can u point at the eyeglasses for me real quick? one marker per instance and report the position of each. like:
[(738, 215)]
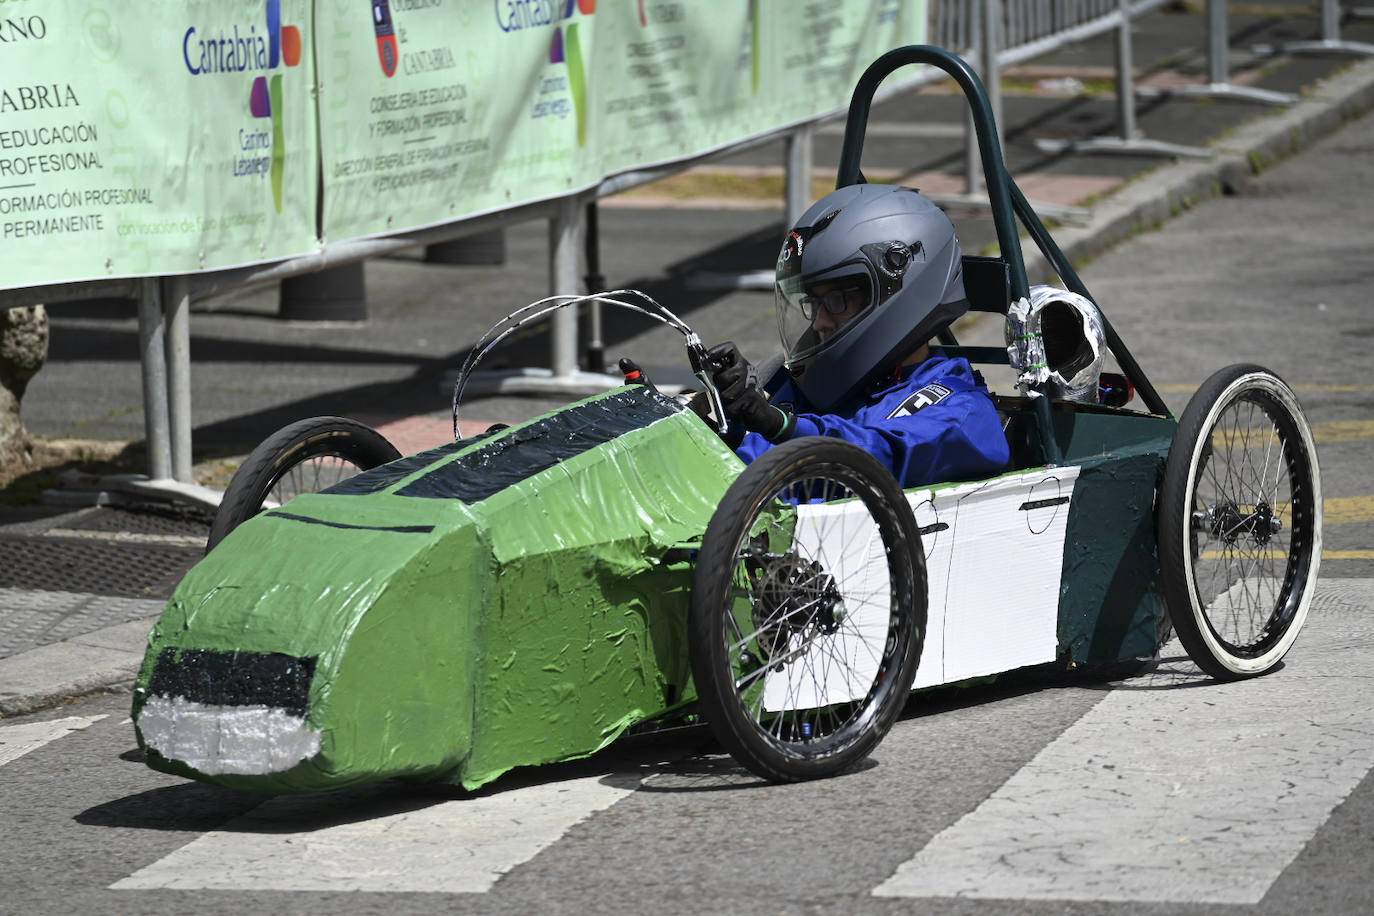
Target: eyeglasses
[(835, 302)]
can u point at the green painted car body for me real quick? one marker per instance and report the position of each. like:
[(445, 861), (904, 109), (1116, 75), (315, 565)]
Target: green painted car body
[(521, 598)]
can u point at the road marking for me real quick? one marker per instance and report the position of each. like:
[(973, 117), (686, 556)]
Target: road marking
[(1274, 555), (18, 740), (1322, 433), (1347, 510), (1201, 795), (458, 847), (1318, 389), (1343, 431), (126, 537), (1340, 510)]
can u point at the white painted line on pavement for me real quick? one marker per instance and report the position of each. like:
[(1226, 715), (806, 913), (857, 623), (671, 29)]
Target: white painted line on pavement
[(456, 847), (1195, 792), (18, 740), (126, 537)]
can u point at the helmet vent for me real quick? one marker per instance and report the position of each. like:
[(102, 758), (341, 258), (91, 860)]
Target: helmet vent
[(824, 222)]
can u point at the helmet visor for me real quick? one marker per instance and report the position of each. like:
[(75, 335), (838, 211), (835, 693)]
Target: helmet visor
[(815, 311)]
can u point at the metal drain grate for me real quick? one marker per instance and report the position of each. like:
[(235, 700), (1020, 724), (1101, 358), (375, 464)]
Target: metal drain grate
[(94, 566)]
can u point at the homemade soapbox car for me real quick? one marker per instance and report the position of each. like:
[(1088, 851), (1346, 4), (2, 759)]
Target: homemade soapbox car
[(529, 594)]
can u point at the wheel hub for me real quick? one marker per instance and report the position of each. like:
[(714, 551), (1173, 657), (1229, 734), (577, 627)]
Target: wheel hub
[(1228, 522), (791, 595)]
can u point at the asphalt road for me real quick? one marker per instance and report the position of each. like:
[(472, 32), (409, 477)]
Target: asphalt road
[(1164, 793)]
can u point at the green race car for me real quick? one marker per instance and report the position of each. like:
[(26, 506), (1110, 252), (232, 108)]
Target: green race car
[(527, 595)]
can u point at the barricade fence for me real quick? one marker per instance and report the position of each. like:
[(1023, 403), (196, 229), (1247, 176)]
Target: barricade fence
[(306, 138)]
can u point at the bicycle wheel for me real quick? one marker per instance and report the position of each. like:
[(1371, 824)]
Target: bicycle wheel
[(1240, 521), (305, 457), (808, 610)]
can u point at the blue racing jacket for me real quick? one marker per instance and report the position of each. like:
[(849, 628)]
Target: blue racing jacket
[(932, 423)]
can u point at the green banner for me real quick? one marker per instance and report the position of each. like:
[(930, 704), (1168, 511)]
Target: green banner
[(437, 109), (154, 139)]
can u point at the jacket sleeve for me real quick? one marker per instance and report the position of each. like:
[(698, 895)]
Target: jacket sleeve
[(960, 438)]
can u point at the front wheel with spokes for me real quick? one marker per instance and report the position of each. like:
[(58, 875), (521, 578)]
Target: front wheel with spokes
[(808, 610), (1240, 521)]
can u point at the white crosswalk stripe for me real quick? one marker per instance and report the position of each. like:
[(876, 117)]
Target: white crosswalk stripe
[(461, 846), (1195, 792), (18, 740)]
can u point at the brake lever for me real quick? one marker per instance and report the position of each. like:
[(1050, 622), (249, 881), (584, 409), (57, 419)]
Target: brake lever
[(702, 365)]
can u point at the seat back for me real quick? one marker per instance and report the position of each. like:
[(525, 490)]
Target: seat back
[(987, 284)]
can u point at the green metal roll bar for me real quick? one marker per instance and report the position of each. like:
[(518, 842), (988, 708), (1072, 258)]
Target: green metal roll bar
[(1004, 197)]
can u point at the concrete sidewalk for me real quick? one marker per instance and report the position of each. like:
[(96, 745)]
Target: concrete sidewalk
[(81, 584)]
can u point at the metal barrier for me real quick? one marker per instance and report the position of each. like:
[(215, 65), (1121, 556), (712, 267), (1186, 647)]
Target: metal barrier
[(995, 34), (1219, 85), (1129, 141), (992, 34), (1330, 42)]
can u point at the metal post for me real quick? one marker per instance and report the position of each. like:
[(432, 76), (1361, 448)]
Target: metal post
[(565, 235), (1330, 42), (992, 75), (987, 29), (1128, 142), (973, 163), (595, 283), (800, 146), (1219, 68), (176, 298), (563, 377), (151, 345), (1125, 75), (1218, 36)]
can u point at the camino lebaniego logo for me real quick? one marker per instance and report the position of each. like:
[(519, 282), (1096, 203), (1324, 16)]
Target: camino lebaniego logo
[(239, 50), (564, 48)]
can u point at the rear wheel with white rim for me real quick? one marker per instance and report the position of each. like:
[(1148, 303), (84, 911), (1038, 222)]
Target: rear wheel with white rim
[(1240, 521)]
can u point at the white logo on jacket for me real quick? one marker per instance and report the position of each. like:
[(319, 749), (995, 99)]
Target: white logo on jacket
[(927, 396)]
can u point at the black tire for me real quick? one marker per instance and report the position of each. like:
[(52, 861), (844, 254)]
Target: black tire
[(1240, 523), (305, 457), (768, 601)]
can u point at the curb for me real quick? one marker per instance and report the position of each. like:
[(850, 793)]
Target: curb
[(1250, 149), (97, 662)]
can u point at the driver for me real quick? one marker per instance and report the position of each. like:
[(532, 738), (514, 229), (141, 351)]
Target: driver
[(864, 280)]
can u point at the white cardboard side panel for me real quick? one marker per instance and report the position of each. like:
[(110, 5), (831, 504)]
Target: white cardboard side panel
[(994, 573), (840, 667), (994, 551)]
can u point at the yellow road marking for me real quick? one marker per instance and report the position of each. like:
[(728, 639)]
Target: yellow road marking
[(1344, 431), (1346, 510), (1261, 436), (1336, 389), (1270, 557), (1339, 510)]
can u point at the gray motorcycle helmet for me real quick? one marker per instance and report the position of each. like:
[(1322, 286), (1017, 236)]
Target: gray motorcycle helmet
[(894, 259)]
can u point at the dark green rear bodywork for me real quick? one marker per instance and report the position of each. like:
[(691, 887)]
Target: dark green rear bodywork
[(1110, 603)]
